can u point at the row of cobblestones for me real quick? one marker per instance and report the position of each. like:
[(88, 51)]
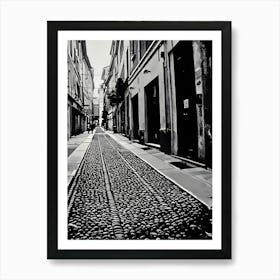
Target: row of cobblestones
[(90, 216), (138, 208)]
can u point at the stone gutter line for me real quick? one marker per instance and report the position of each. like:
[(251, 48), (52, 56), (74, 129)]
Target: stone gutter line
[(116, 223), (145, 184)]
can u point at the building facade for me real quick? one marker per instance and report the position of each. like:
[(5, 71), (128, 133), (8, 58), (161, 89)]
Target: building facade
[(80, 88), (160, 93)]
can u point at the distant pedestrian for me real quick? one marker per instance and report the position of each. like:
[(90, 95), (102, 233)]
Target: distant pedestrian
[(92, 127), (88, 127)]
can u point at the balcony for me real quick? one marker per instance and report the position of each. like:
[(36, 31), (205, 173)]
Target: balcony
[(114, 99), (121, 87), (116, 95)]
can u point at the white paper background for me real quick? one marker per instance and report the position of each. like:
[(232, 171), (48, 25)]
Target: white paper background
[(255, 140), (63, 242)]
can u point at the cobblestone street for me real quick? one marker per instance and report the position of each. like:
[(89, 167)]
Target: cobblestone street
[(116, 195)]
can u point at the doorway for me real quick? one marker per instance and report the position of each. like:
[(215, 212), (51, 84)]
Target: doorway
[(122, 118), (127, 125), (134, 101), (186, 100), (152, 112)]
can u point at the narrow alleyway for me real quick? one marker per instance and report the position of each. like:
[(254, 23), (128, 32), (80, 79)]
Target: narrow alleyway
[(116, 195)]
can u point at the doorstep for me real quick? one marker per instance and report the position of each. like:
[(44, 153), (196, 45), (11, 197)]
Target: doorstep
[(153, 145)]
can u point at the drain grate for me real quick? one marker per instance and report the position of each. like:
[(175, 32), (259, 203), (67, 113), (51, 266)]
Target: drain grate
[(146, 148), (181, 164)]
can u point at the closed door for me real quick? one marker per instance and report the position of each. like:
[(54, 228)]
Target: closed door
[(135, 116), (186, 100), (152, 109)]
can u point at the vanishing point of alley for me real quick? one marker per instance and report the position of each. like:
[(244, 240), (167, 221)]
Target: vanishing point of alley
[(119, 189)]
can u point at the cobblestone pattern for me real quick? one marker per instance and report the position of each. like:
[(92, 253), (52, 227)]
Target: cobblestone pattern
[(138, 208), (118, 230), (186, 212), (90, 217), (138, 198)]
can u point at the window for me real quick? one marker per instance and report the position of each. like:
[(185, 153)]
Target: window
[(148, 43), (78, 91), (121, 50), (77, 46), (133, 49), (144, 45), (70, 46), (127, 64), (122, 73), (133, 54)]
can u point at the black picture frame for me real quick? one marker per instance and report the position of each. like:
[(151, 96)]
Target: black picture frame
[(52, 139)]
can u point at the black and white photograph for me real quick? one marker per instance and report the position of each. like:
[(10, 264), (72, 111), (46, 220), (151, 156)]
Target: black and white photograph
[(141, 168), (139, 159)]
